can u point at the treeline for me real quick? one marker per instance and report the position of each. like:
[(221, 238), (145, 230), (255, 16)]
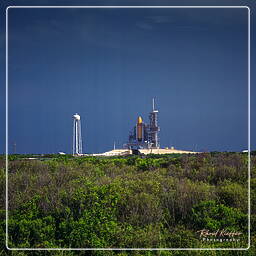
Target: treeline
[(128, 202)]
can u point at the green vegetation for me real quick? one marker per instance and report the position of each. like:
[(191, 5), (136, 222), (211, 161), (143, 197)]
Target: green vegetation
[(127, 202)]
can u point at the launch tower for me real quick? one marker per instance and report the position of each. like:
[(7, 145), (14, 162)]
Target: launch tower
[(153, 127)]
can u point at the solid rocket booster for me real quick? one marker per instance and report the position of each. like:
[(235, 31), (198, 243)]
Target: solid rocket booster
[(139, 129)]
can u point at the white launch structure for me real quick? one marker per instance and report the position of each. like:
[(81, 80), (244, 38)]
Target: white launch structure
[(77, 136)]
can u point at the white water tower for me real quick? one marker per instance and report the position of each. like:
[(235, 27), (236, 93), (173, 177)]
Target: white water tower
[(77, 136)]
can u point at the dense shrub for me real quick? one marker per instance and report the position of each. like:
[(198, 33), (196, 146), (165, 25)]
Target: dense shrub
[(136, 201), (214, 216)]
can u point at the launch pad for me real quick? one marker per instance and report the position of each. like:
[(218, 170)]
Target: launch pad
[(143, 139), (158, 151), (145, 136)]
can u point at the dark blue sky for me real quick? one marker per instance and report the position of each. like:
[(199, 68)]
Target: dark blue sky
[(107, 64)]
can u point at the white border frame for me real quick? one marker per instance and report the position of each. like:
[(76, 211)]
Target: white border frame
[(131, 249)]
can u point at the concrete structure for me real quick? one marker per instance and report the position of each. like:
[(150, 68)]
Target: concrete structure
[(115, 152), (161, 151), (145, 151)]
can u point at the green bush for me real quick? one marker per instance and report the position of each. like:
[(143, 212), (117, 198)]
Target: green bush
[(133, 201), (214, 216)]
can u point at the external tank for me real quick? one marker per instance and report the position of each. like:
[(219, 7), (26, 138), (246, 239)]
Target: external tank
[(139, 129)]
